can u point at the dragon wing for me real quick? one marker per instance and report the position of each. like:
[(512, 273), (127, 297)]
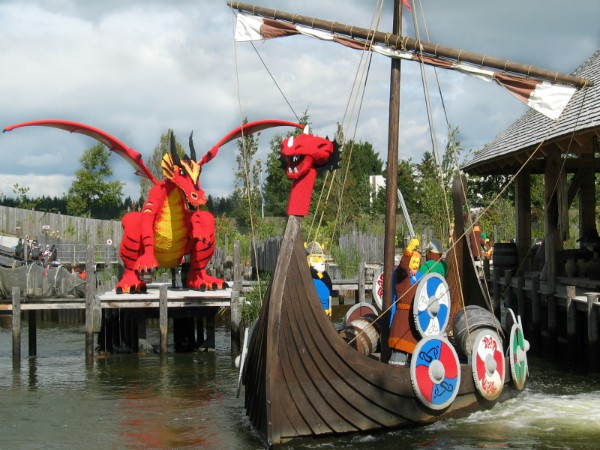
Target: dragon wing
[(134, 158), (247, 128)]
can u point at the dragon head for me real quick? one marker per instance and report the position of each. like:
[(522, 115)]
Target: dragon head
[(302, 157), (185, 174)]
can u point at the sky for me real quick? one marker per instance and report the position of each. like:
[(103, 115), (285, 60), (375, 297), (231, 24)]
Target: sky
[(137, 68)]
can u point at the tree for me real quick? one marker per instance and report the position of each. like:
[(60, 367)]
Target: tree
[(350, 197), (361, 161), (247, 189), (434, 185), (91, 194), (22, 200)]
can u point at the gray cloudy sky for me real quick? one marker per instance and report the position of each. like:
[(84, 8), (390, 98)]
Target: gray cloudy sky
[(137, 68)]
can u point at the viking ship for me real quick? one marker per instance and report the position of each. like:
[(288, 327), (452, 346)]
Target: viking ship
[(301, 377)]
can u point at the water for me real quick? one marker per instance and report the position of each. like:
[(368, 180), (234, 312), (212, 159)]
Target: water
[(56, 401)]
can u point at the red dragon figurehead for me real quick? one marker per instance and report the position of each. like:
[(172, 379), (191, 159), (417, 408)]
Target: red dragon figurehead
[(303, 156), (185, 174)]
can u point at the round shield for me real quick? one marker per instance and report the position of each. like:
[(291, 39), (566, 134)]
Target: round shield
[(359, 310), (435, 372), (487, 363), (518, 356), (510, 319), (431, 308), (525, 341), (377, 288)]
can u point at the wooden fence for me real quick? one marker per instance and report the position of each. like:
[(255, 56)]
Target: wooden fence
[(55, 228), (72, 234), (369, 248)]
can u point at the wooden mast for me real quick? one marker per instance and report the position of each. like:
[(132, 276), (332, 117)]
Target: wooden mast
[(396, 40), (391, 188)]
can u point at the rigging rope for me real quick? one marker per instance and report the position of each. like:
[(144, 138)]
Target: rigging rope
[(359, 83), (246, 169)]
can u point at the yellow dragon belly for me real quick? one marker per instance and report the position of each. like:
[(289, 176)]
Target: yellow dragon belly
[(171, 231)]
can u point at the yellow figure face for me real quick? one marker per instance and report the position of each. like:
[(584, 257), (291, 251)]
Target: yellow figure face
[(414, 263), (317, 262)]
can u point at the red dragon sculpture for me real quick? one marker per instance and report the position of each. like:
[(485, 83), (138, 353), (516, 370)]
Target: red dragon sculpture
[(171, 223), (304, 156)]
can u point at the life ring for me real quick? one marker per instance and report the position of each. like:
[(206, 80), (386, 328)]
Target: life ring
[(518, 348), (487, 363), (431, 308), (435, 372)]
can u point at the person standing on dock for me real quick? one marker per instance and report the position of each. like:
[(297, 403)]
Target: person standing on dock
[(19, 250)]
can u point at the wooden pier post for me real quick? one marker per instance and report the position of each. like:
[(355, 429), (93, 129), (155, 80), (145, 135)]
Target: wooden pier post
[(536, 330), (360, 293), (552, 324), (572, 352), (16, 325), (592, 333), (32, 320), (237, 298), (521, 305), (90, 307), (507, 290), (134, 333), (497, 293), (200, 339), (211, 341), (486, 269), (163, 319)]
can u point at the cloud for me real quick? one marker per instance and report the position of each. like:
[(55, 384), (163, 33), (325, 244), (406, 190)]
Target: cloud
[(136, 69), (39, 185)]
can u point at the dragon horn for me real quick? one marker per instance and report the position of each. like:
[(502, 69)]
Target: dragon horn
[(174, 155), (192, 149)]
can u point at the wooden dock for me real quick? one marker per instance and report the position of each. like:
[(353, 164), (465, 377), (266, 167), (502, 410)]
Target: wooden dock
[(117, 321), (561, 321), (162, 302)]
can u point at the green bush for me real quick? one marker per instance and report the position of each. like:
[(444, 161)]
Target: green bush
[(253, 304), (347, 260)]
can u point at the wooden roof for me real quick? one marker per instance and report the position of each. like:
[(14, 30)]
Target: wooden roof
[(572, 133)]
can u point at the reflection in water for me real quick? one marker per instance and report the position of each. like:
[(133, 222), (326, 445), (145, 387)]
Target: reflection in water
[(189, 401)]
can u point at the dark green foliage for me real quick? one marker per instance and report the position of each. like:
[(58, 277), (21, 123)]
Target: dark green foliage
[(92, 192), (251, 308)]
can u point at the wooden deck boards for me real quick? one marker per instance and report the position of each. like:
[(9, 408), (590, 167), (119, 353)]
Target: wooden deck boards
[(176, 298)]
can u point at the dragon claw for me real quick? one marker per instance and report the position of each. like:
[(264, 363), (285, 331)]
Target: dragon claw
[(203, 282), (131, 284)]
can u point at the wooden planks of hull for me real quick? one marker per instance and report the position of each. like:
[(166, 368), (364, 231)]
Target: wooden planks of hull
[(303, 379)]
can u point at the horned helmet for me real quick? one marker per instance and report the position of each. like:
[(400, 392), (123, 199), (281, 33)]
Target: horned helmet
[(184, 173)]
